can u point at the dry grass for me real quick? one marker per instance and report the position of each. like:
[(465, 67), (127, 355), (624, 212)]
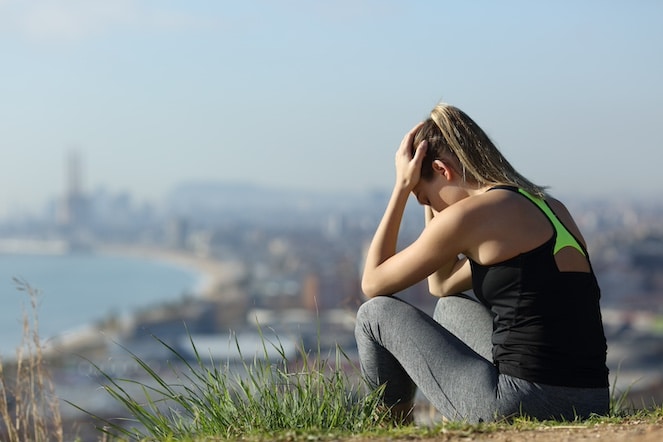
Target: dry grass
[(29, 408)]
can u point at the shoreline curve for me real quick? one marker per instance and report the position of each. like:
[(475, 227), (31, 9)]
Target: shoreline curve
[(213, 273)]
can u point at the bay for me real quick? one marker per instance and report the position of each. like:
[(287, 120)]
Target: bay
[(78, 289)]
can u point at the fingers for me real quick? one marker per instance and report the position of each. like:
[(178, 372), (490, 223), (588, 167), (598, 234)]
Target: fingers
[(420, 152), (409, 159), (406, 144)]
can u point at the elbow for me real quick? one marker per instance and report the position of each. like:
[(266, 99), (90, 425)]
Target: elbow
[(369, 288), (442, 294), (446, 288), (435, 287), (440, 289), (435, 291)]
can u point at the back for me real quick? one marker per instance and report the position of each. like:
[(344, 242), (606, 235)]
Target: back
[(547, 325), (511, 225)]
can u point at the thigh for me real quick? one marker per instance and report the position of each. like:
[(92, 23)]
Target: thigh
[(469, 320), (457, 380)]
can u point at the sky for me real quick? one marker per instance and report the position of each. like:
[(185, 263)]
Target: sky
[(305, 94)]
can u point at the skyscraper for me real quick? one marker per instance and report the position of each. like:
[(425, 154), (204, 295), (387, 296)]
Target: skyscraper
[(74, 206)]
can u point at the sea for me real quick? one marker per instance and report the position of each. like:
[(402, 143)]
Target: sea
[(76, 290)]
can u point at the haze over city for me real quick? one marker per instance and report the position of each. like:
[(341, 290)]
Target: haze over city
[(317, 95)]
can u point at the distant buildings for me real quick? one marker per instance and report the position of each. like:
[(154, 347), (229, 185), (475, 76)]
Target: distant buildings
[(74, 209), (303, 253)]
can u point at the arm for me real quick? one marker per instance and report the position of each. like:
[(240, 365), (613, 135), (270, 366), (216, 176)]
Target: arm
[(435, 251), (455, 277), (387, 272), (383, 245)]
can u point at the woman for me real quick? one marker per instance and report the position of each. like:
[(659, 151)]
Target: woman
[(534, 345)]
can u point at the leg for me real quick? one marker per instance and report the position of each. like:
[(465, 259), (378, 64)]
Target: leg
[(468, 319), (401, 346), (379, 366)]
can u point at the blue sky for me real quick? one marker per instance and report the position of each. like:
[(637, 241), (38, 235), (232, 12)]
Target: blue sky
[(317, 94)]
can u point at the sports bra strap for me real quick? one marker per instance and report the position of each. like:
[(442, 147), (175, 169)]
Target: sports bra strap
[(564, 238)]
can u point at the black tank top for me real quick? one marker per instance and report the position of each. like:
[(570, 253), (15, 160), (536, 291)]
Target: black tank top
[(547, 326)]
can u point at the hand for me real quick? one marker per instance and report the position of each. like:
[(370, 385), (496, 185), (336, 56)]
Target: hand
[(408, 166)]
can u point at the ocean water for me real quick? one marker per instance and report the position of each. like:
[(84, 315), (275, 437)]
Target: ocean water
[(78, 289)]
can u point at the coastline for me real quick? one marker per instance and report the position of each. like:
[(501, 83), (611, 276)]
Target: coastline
[(214, 274), (213, 279)]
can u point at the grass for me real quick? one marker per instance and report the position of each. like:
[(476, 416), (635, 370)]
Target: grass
[(310, 398), (263, 397), (29, 408), (305, 396)]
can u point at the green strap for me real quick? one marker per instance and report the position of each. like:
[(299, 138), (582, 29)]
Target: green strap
[(564, 237)]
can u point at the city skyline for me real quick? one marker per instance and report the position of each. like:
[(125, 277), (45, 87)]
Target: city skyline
[(317, 96)]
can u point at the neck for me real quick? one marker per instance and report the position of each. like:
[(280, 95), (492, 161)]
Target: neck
[(459, 191), (471, 189)]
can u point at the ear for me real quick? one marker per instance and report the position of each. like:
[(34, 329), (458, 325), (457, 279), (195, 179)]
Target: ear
[(442, 168)]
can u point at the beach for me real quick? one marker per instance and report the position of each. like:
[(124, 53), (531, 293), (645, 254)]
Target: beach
[(214, 274), (79, 292)]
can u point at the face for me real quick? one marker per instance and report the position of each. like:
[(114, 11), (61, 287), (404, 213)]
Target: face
[(429, 193)]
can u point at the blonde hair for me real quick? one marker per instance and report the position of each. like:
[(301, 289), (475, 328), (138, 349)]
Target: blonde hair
[(453, 136)]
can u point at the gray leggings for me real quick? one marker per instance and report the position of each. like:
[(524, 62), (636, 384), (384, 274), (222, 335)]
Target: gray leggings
[(449, 359)]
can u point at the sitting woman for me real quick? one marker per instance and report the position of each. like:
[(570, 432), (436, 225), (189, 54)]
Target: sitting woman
[(534, 343)]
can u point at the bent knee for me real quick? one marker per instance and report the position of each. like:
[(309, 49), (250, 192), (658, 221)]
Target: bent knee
[(372, 308), (377, 310)]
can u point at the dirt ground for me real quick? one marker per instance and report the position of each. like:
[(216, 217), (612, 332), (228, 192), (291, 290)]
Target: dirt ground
[(630, 432), (605, 432)]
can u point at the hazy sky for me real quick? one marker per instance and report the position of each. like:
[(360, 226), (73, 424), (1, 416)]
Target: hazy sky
[(317, 94)]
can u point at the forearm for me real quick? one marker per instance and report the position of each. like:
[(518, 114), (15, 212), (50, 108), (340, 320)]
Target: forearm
[(385, 240), (453, 277), (458, 278), (383, 245), (435, 280)]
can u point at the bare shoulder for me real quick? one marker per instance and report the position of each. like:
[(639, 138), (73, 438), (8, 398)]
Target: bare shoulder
[(474, 206), (560, 210), (495, 201), (558, 207), (565, 216), (477, 215)]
